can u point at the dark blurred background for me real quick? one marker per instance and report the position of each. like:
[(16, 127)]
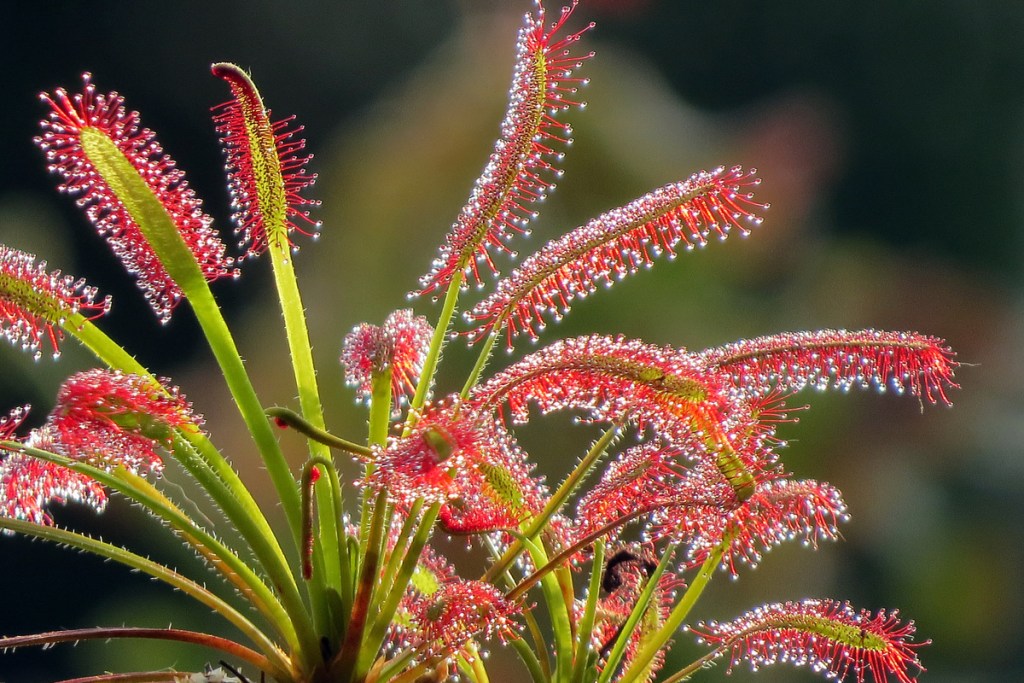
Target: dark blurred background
[(890, 137)]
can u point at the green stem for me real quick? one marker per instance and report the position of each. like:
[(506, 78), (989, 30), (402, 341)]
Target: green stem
[(586, 629), (225, 486), (680, 611), (393, 666), (160, 572), (389, 576), (160, 232), (451, 298), (293, 420), (558, 611), (481, 363), (327, 553), (395, 590), (380, 407), (540, 646), (477, 663), (530, 660), (695, 666)]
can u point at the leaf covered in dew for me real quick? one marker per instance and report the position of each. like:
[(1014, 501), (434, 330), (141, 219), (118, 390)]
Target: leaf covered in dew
[(122, 178)]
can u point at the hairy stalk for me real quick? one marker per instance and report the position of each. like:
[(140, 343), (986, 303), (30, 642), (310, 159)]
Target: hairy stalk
[(159, 572), (396, 589), (530, 660), (541, 649), (481, 363), (586, 628), (696, 665), (229, 647), (199, 456), (451, 299), (380, 412), (327, 553), (217, 555), (559, 611)]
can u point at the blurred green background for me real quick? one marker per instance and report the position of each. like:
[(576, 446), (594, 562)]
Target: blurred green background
[(890, 137)]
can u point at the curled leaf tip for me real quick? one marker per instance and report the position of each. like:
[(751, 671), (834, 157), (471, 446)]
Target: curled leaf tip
[(267, 172)]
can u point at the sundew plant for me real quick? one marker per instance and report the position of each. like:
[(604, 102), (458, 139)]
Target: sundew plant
[(590, 579)]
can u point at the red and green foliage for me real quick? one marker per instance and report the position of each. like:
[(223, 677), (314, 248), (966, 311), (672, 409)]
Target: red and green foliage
[(354, 592)]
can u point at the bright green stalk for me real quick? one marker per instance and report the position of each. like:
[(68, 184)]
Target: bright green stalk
[(398, 552), (643, 603), (477, 663), (558, 611), (451, 298), (202, 459), (380, 407), (380, 415), (312, 410), (586, 628), (530, 660), (225, 486), (283, 668), (220, 558), (250, 135), (541, 649), (396, 588), (481, 363), (161, 233), (679, 613)]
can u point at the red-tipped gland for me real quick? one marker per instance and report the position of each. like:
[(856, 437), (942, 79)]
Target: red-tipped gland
[(521, 169), (128, 188), (824, 635), (28, 485), (779, 511), (266, 171), (35, 305), (425, 463), (613, 245), (469, 463), (459, 611), (612, 378), (399, 345), (115, 417), (901, 361)]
